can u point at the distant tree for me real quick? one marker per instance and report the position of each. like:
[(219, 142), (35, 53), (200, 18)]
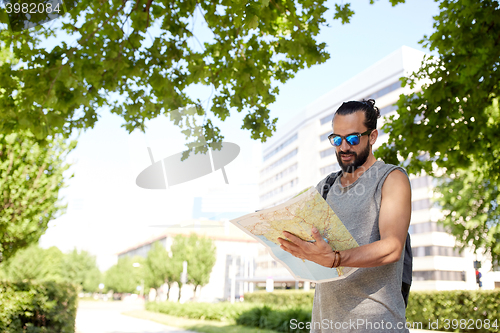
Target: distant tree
[(123, 277), (200, 254), (31, 176), (450, 128), (204, 255), (34, 263), (159, 268), (80, 267), (181, 251)]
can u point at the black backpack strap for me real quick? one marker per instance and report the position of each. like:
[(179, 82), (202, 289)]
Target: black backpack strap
[(407, 270), (328, 183)]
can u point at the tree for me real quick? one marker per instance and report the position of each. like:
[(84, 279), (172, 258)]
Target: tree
[(123, 277), (181, 251), (253, 46), (31, 176), (160, 268), (199, 252), (34, 263), (452, 125), (80, 267), (204, 255)]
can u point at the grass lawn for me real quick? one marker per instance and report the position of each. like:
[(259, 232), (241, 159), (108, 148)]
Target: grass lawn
[(206, 326)]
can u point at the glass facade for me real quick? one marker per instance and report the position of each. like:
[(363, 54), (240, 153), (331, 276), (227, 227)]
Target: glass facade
[(327, 152), (420, 228), (281, 146), (280, 161), (435, 250), (421, 204), (279, 175), (438, 276), (279, 189), (329, 169)]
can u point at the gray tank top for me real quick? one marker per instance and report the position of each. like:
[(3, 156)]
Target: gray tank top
[(370, 299)]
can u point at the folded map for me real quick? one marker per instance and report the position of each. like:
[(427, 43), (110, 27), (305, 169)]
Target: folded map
[(297, 216)]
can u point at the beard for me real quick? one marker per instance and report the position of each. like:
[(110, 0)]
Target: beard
[(358, 161)]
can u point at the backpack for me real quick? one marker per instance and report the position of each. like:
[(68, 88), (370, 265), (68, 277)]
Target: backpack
[(408, 258)]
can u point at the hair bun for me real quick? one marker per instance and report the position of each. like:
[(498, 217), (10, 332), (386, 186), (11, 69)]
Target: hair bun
[(371, 102)]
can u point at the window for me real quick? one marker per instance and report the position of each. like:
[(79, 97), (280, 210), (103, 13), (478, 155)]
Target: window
[(421, 182), (388, 109), (281, 146), (326, 119), (438, 275), (324, 137), (279, 189), (329, 169), (385, 91), (280, 161), (435, 250), (279, 175), (421, 204), (421, 228), (327, 152)]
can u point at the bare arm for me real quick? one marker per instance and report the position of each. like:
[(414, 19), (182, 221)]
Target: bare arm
[(394, 220)]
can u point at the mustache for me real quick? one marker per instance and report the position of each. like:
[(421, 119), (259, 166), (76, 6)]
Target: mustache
[(347, 153)]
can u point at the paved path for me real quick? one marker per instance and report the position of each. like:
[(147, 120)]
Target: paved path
[(106, 317)]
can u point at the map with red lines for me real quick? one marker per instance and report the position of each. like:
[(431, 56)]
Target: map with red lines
[(298, 216)]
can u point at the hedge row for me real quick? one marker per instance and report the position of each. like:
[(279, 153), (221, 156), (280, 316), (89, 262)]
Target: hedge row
[(219, 311), (276, 319), (460, 310), (290, 298), (37, 307), (454, 311)]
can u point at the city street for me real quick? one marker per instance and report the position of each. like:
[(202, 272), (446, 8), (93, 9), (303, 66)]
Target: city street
[(106, 317)]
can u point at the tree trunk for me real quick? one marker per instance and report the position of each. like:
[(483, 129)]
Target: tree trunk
[(168, 291), (180, 289)]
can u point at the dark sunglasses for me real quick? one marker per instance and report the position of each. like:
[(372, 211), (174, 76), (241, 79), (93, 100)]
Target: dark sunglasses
[(351, 139)]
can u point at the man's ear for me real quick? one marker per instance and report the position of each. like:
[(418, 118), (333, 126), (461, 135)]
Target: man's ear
[(373, 136)]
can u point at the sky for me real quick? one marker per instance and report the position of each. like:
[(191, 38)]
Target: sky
[(107, 212)]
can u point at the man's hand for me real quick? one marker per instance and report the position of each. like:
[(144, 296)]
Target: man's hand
[(319, 252)]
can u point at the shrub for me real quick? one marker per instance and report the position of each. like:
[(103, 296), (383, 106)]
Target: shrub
[(277, 319), (291, 298), (458, 310), (208, 311), (37, 307), (469, 309)]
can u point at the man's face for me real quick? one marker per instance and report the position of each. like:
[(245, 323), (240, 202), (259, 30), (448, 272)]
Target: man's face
[(350, 157)]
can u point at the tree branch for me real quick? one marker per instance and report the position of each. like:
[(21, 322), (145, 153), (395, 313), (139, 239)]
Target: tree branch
[(148, 5)]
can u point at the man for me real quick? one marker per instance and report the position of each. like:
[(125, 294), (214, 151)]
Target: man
[(373, 200)]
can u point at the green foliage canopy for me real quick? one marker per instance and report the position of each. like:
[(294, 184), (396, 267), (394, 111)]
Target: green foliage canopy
[(123, 277), (35, 263), (159, 267), (139, 57), (31, 176), (200, 254), (80, 267), (452, 125)]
